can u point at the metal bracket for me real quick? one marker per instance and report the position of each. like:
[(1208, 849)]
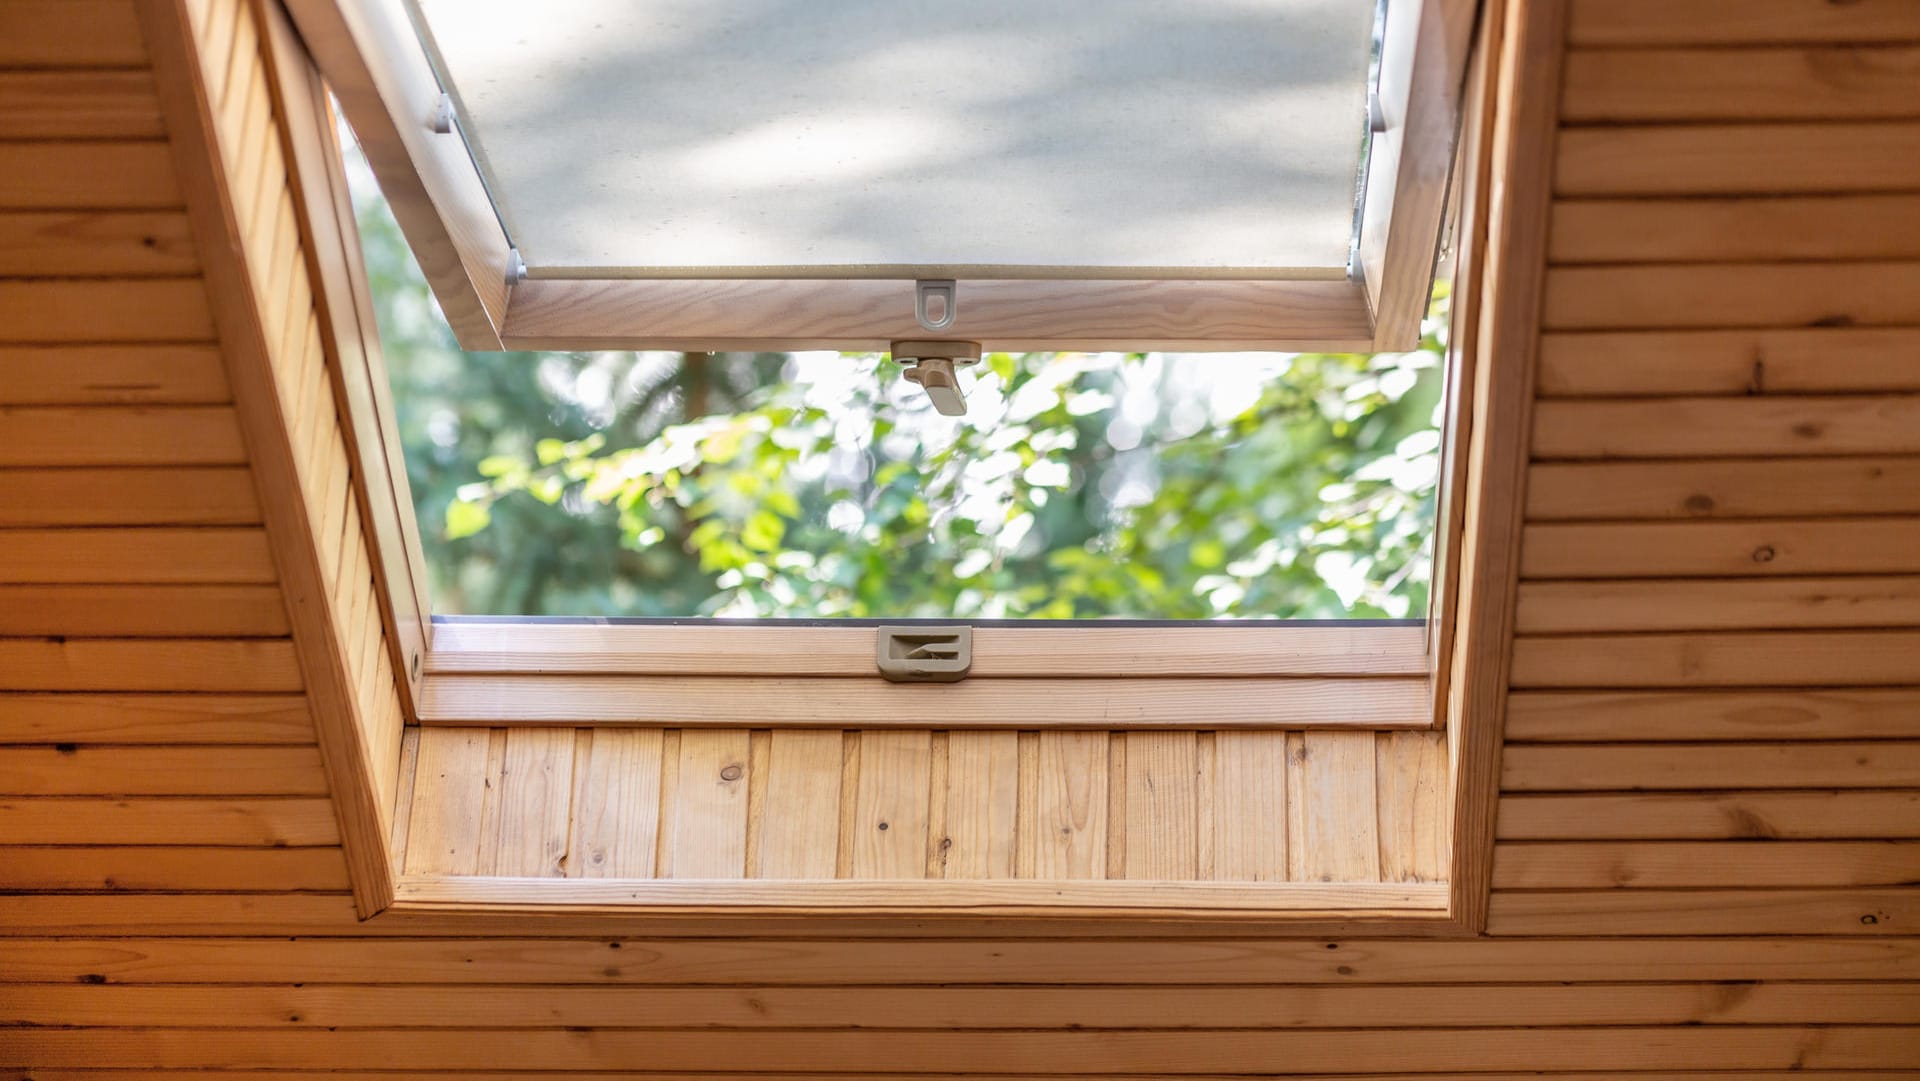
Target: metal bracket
[(516, 267), (442, 122), (924, 654), (946, 290)]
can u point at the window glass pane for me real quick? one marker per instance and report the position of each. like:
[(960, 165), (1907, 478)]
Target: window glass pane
[(856, 137), (1157, 486)]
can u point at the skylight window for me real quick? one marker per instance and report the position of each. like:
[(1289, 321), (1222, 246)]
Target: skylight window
[(1010, 175)]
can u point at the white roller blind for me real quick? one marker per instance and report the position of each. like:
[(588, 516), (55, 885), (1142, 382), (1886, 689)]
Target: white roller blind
[(779, 138)]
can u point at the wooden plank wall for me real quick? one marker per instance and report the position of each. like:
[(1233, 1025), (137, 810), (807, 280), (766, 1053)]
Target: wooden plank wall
[(1710, 786), (1315, 806)]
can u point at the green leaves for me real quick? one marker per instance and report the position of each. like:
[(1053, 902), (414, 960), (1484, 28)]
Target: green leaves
[(465, 519), (767, 484)]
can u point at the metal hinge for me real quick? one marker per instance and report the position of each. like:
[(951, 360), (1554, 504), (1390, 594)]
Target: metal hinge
[(924, 654)]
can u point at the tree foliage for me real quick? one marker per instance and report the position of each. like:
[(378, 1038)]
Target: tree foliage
[(766, 484)]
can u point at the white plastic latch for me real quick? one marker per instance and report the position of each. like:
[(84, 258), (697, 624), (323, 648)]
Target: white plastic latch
[(934, 367), (928, 290)]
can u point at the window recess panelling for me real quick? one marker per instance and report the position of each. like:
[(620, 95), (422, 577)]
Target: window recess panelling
[(1041, 808)]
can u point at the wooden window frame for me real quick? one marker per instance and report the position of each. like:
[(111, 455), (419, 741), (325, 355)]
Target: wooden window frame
[(1461, 671), (385, 82)]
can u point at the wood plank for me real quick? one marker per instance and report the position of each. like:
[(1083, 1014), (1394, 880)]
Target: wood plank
[(536, 793), (1521, 151), (79, 105), (141, 435), (980, 801), (892, 798), (450, 780), (799, 834), (149, 719), (1773, 488), (616, 805), (1410, 782), (865, 314), (1733, 604), (1749, 864), (96, 244), (1333, 833), (172, 867), (1805, 82), (76, 33), (1822, 360), (1249, 807), (706, 827), (116, 611), (1727, 427), (1755, 229), (1722, 549), (249, 665), (1733, 295), (1064, 833), (1313, 905), (487, 646), (67, 770), (1765, 659), (1163, 813), (1268, 1007), (1744, 1047), (834, 701), (332, 915), (1737, 159), (136, 556), (925, 960), (1638, 716), (258, 823), (1704, 912), (112, 374), (1761, 22), (1711, 816), (87, 176), (103, 310), (1709, 766)]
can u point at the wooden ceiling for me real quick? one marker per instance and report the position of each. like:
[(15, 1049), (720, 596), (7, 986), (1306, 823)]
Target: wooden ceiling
[(1709, 819)]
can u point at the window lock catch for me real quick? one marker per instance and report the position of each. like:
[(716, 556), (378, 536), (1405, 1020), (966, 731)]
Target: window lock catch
[(924, 654), (934, 367)]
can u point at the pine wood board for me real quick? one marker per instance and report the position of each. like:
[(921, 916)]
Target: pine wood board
[(130, 719), (1711, 816), (1738, 159), (266, 823), (1723, 488), (1800, 82), (1749, 229), (1098, 1053), (1761, 22), (1734, 549), (112, 374), (1733, 361), (1709, 766), (831, 1007)]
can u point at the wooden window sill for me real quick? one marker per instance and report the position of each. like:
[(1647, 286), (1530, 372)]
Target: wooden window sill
[(1371, 676)]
